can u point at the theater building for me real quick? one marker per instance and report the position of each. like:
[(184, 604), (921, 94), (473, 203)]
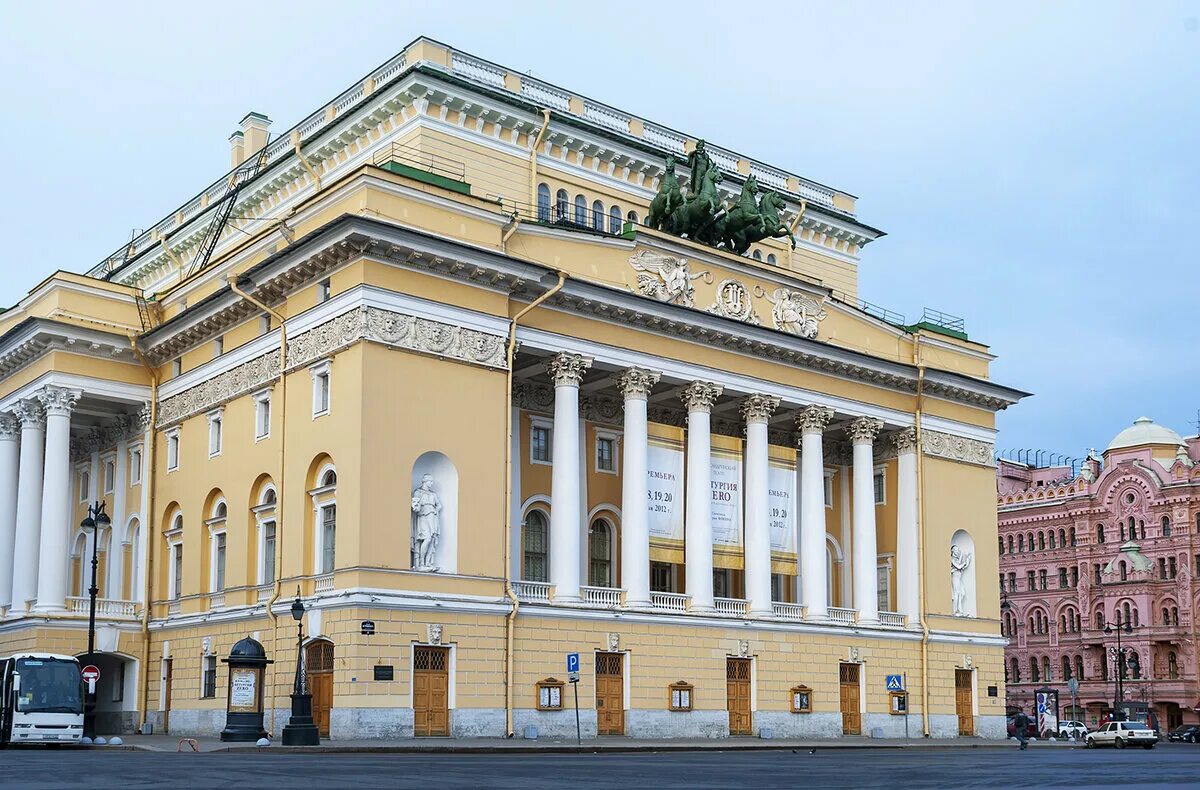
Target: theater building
[(1087, 551), (510, 373)]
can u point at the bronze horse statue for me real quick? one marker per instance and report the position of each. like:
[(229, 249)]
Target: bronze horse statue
[(750, 221), (694, 218), (668, 199)]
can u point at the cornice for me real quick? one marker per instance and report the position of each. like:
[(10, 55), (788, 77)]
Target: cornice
[(35, 337)]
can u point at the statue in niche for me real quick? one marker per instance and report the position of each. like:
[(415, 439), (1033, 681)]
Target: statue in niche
[(427, 507), (959, 562)]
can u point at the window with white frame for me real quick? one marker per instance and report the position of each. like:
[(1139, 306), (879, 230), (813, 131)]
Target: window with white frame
[(214, 433), (85, 484), (209, 679), (219, 546), (829, 473), (176, 571), (606, 452), (540, 437), (109, 467), (172, 449), (884, 572), (320, 385), (535, 534), (325, 504), (328, 537), (879, 485), (262, 415), (264, 514), (135, 465)]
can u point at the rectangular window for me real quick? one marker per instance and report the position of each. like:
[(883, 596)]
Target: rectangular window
[(1100, 580), (880, 488), (1042, 577), (268, 553), (1031, 577), (828, 490), (539, 444), (209, 685), (1062, 578), (218, 347), (219, 563), (1172, 569), (721, 582), (777, 587), (110, 476), (176, 571), (135, 466), (262, 415), (320, 378), (176, 368), (1074, 575), (85, 485), (661, 577), (323, 291), (118, 686), (214, 434), (885, 588), (173, 450), (1162, 568), (328, 537), (1012, 582), (606, 454)]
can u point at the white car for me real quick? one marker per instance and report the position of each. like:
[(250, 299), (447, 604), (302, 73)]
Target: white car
[(1123, 733), (1069, 729)]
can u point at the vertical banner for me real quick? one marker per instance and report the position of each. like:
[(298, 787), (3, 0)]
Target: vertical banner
[(781, 506), (664, 491), (726, 499), (1047, 711)]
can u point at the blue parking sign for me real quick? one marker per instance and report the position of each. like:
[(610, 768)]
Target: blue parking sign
[(572, 662), (895, 683)]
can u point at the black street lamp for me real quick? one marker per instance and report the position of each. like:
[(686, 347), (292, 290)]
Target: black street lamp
[(95, 521), (300, 729), (1118, 713)]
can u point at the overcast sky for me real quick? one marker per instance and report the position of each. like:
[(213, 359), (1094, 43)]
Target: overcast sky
[(1035, 165)]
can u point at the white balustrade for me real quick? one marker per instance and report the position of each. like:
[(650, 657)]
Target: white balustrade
[(607, 597), (893, 620), (477, 69), (842, 616), (537, 592), (105, 607), (606, 116), (545, 94), (788, 611), (324, 583), (671, 602), (736, 606), (216, 600), (657, 135), (264, 592)]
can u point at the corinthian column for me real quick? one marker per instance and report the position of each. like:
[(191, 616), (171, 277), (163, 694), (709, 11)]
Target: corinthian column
[(908, 567), (56, 513), (699, 397), (10, 432), (757, 411), (29, 504), (635, 385), (567, 371), (813, 570), (866, 552)]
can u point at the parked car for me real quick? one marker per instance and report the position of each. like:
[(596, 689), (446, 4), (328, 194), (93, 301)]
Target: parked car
[(1068, 729), (1123, 733), (1030, 730), (1186, 732)]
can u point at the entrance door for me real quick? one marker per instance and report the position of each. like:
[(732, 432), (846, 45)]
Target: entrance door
[(963, 702), (610, 693), (737, 695), (168, 671), (318, 667), (851, 700), (431, 697)]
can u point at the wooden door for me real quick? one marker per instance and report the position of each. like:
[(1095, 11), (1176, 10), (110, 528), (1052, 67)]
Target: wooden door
[(431, 697), (168, 671), (851, 699), (318, 667), (964, 702), (737, 695), (610, 693)]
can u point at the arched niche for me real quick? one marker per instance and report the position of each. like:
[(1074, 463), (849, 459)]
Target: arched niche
[(435, 500), (962, 575)]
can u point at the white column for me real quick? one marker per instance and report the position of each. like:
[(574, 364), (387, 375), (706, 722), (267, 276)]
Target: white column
[(635, 385), (757, 411), (565, 500), (866, 552), (141, 548), (56, 513), (908, 566), (10, 449), (699, 397), (29, 504), (813, 570), (116, 569)]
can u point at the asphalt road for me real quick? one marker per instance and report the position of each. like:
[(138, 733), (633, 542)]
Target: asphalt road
[(1048, 766)]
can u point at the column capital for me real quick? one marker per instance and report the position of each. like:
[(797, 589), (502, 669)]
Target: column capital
[(813, 419), (759, 408), (700, 396), (636, 383), (31, 414), (567, 369), (864, 429), (905, 440), (58, 401), (10, 426)]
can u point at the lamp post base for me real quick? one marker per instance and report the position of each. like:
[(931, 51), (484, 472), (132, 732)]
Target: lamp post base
[(300, 729)]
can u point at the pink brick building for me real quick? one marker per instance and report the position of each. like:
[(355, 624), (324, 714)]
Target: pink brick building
[(1117, 542)]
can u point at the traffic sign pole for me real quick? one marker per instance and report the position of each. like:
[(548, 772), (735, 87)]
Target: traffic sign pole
[(578, 732)]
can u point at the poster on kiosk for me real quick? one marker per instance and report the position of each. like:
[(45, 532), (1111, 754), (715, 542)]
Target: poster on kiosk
[(1046, 700)]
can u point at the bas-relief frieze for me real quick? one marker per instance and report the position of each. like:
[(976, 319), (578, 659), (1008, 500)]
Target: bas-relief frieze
[(957, 448), (394, 329)]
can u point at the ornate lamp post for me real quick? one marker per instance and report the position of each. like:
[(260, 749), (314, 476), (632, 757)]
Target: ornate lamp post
[(95, 521), (1119, 657), (300, 729)]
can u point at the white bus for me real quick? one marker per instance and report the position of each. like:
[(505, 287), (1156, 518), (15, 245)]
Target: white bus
[(41, 699)]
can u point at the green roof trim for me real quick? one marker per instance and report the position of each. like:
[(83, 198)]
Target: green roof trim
[(936, 329), (426, 177)]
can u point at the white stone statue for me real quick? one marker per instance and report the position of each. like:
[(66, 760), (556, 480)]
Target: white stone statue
[(959, 562), (427, 507)]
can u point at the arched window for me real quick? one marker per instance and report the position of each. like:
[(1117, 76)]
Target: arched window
[(1072, 534), (614, 220), (1046, 668), (1141, 531), (1198, 522), (561, 202), (327, 523), (1124, 571), (1078, 622), (534, 546), (1052, 539), (1172, 665), (1099, 618), (1062, 538), (1166, 526), (581, 210), (1166, 613), (1066, 667), (1079, 667), (1020, 543), (1035, 672), (597, 216), (1099, 533), (600, 554), (1029, 541), (133, 589), (543, 204), (1015, 671), (632, 217), (264, 516), (1128, 617), (1041, 541), (1174, 615), (1001, 551), (1135, 618), (1010, 544), (218, 546), (771, 258), (757, 255)]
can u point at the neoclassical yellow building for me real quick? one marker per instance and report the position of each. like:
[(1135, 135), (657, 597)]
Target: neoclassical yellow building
[(422, 358)]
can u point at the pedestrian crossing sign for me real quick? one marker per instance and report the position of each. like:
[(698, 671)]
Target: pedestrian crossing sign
[(895, 683)]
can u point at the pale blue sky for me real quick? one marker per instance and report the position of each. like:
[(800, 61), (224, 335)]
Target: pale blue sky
[(1034, 164)]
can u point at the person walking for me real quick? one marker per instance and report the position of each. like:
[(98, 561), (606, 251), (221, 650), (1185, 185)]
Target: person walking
[(1021, 728)]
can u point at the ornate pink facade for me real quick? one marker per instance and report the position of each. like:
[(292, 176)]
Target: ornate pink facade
[(1118, 542)]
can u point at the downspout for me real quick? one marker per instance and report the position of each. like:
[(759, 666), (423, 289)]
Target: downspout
[(511, 619), (305, 163), (921, 535), (279, 531), (533, 152), (792, 230), (148, 518)]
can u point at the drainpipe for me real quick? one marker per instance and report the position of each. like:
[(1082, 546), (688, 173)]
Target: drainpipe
[(510, 620), (148, 532), (792, 230), (305, 163), (533, 152), (279, 531), (921, 535)]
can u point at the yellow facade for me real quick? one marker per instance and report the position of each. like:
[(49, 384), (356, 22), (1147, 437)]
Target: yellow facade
[(438, 310)]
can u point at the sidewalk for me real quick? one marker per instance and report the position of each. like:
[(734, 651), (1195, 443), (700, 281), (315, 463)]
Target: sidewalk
[(166, 743)]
